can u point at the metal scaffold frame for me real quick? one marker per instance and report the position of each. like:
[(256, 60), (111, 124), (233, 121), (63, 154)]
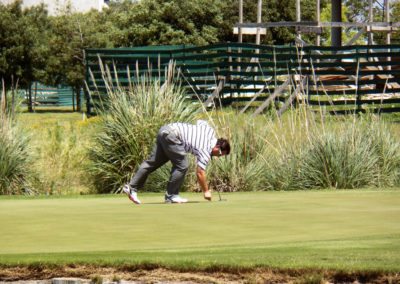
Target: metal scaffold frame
[(336, 25)]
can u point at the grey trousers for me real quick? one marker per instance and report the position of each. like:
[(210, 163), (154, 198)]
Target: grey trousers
[(168, 148)]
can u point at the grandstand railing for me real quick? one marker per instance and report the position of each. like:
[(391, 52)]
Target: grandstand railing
[(341, 79), (43, 96)]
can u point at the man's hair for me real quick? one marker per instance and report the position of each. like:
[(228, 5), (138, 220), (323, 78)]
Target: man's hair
[(224, 145)]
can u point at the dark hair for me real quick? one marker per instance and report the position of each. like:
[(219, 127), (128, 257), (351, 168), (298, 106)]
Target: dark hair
[(224, 145)]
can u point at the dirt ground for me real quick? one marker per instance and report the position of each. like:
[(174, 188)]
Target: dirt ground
[(97, 274)]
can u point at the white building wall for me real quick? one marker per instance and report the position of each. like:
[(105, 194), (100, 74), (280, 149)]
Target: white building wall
[(58, 6)]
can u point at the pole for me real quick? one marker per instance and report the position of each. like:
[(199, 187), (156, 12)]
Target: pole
[(318, 41), (240, 32), (298, 18), (258, 35), (387, 19), (336, 17), (388, 33), (370, 20), (240, 39)]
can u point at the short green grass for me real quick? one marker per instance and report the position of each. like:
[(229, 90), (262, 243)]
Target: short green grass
[(346, 230)]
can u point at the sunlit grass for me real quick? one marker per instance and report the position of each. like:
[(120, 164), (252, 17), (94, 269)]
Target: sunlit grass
[(59, 143), (349, 230)]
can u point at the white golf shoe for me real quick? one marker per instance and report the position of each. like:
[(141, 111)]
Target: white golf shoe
[(174, 199), (132, 194)]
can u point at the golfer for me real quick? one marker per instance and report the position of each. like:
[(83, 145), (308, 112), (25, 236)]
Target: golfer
[(174, 141)]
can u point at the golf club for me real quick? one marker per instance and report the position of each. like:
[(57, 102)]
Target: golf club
[(219, 194)]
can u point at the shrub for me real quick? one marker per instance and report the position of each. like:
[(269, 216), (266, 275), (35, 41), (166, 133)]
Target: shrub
[(61, 151), (130, 120), (243, 168), (14, 161), (350, 153), (14, 154)]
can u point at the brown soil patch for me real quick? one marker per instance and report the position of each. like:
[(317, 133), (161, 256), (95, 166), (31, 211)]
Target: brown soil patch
[(137, 274)]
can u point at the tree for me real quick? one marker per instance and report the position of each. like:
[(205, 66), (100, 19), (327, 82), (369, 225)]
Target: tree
[(70, 35), (155, 22), (23, 43), (23, 37)]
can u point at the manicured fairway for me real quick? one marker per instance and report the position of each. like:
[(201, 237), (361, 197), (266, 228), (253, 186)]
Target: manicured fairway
[(348, 230)]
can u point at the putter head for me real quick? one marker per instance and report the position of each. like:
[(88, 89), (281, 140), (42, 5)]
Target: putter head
[(221, 199), (219, 194)]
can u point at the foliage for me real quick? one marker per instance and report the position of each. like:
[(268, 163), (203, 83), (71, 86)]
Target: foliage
[(14, 157), (70, 35), (267, 154), (51, 49), (23, 43), (347, 154), (155, 22), (14, 153), (130, 119), (347, 34), (62, 152), (243, 168)]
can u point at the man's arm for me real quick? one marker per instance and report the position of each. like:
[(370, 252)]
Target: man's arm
[(201, 178)]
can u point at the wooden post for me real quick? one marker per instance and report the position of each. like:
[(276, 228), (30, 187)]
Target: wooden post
[(258, 35), (298, 18), (387, 20), (240, 32), (336, 17), (318, 41), (259, 8), (388, 33), (371, 20)]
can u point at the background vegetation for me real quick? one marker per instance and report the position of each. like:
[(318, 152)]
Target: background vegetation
[(72, 154), (50, 49), (300, 151), (129, 124)]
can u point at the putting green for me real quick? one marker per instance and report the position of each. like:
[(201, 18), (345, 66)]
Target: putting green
[(356, 229)]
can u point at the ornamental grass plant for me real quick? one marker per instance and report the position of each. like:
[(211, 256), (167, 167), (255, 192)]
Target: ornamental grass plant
[(130, 119), (307, 150), (329, 152), (303, 149), (243, 168), (15, 160)]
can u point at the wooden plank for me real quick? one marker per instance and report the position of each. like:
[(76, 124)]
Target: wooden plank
[(215, 93), (270, 99), (294, 95), (253, 98), (250, 31), (311, 30)]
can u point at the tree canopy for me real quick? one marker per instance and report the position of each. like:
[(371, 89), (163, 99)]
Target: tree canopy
[(37, 47)]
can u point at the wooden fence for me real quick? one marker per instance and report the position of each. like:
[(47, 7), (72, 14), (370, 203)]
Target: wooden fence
[(338, 80), (42, 96)]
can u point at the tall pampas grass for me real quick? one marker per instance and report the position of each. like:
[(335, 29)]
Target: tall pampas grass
[(15, 160), (130, 117)]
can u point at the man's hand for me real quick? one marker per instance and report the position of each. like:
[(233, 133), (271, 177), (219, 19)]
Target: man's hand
[(201, 178), (207, 195)]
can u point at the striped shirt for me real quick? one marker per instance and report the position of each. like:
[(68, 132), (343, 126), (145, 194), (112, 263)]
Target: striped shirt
[(198, 139)]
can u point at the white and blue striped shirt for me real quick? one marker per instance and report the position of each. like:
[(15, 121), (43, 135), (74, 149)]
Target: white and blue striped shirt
[(198, 139)]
